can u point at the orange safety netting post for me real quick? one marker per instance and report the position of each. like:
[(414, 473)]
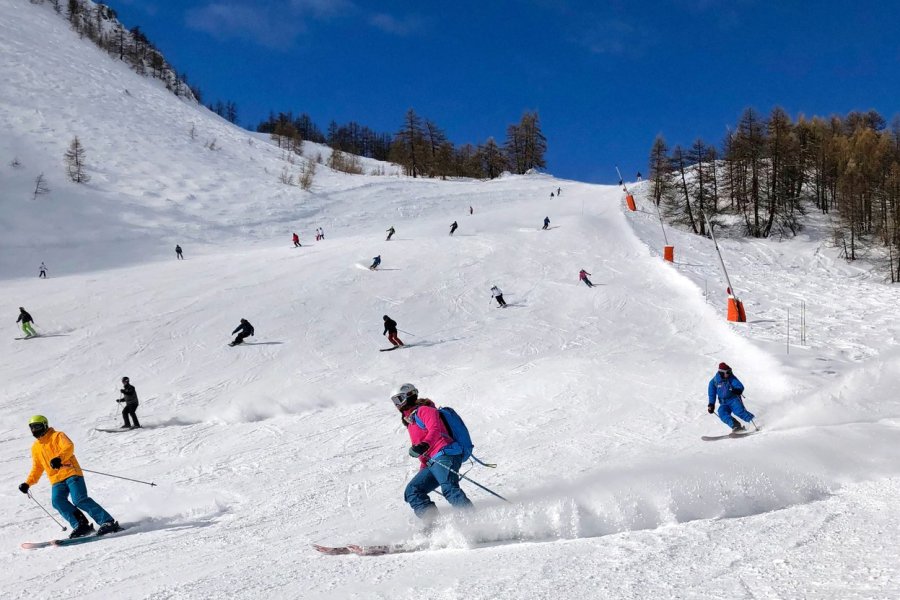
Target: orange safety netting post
[(736, 312), (669, 253)]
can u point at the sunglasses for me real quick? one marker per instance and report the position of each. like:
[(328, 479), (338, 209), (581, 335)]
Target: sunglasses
[(36, 426)]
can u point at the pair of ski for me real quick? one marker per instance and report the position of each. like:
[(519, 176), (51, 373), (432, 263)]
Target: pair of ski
[(68, 541), (734, 434), (377, 550)]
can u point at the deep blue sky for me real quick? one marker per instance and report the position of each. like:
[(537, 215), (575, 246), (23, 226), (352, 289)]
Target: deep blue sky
[(605, 77)]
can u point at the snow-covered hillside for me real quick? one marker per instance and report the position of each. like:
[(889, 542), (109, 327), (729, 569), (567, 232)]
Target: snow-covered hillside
[(591, 401)]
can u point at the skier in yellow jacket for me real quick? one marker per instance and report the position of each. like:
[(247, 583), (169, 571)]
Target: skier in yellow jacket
[(54, 453)]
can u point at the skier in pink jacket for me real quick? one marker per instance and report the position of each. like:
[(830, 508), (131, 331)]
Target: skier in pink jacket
[(439, 454)]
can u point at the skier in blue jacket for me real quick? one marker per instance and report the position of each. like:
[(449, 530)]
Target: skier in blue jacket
[(728, 389)]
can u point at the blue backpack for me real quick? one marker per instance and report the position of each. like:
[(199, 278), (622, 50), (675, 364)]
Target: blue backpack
[(458, 431)]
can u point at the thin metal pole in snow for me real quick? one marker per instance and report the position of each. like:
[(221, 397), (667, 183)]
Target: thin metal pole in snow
[(719, 253), (663, 227), (788, 330)]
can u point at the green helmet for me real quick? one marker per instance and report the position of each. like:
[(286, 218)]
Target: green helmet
[(39, 419)]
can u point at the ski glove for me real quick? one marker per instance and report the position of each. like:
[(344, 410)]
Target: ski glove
[(56, 463), (711, 408), (121, 400), (418, 450), (23, 487)]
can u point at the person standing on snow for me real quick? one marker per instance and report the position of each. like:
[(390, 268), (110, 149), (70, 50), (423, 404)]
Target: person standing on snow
[(440, 456), (178, 254), (728, 389), (558, 191), (390, 329), (245, 328), (129, 397), (498, 294), (583, 276), (471, 210), (375, 262), (453, 227), (546, 223), (42, 271), (296, 239), (390, 233), (26, 321), (54, 453)]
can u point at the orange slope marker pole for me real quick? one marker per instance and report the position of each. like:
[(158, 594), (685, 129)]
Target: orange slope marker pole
[(735, 306)]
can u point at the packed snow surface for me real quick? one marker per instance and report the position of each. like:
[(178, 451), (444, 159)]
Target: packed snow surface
[(592, 401)]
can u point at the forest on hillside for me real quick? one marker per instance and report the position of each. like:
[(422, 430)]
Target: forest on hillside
[(421, 146), (770, 171)]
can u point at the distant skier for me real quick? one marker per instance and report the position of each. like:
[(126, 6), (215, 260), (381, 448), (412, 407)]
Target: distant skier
[(26, 321), (453, 227), (390, 329), (178, 254), (245, 328), (728, 389), (375, 262), (54, 453), (551, 194), (498, 294), (546, 223), (471, 210), (129, 397), (322, 232), (296, 239), (42, 272), (390, 233), (583, 276), (558, 191), (440, 456), (639, 176)]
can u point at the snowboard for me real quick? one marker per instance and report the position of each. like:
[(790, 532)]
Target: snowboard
[(739, 434), (379, 550), (67, 541)]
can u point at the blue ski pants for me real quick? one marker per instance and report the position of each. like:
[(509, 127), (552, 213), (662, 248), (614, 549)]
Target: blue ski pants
[(74, 487), (734, 405), (436, 475)]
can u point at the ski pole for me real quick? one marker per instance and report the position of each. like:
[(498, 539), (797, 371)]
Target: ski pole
[(470, 480), (45, 510), (118, 477), (406, 332)]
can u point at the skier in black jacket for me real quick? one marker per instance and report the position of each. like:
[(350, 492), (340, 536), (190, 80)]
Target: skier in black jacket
[(245, 328), (390, 329), (129, 397), (26, 321)]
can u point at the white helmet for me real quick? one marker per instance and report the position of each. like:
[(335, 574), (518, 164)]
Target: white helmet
[(405, 396)]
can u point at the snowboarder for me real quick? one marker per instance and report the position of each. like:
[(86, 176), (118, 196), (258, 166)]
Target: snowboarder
[(498, 294), (26, 321), (390, 233), (375, 262), (296, 239), (546, 223), (178, 254), (453, 227), (390, 329), (728, 389), (42, 272), (245, 328), (129, 397), (54, 453), (440, 456), (583, 276)]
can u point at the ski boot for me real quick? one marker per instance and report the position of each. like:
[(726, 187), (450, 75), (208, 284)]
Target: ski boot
[(84, 526), (737, 426), (109, 527)]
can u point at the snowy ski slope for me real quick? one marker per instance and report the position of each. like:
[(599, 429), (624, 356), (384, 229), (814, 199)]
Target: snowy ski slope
[(592, 401)]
